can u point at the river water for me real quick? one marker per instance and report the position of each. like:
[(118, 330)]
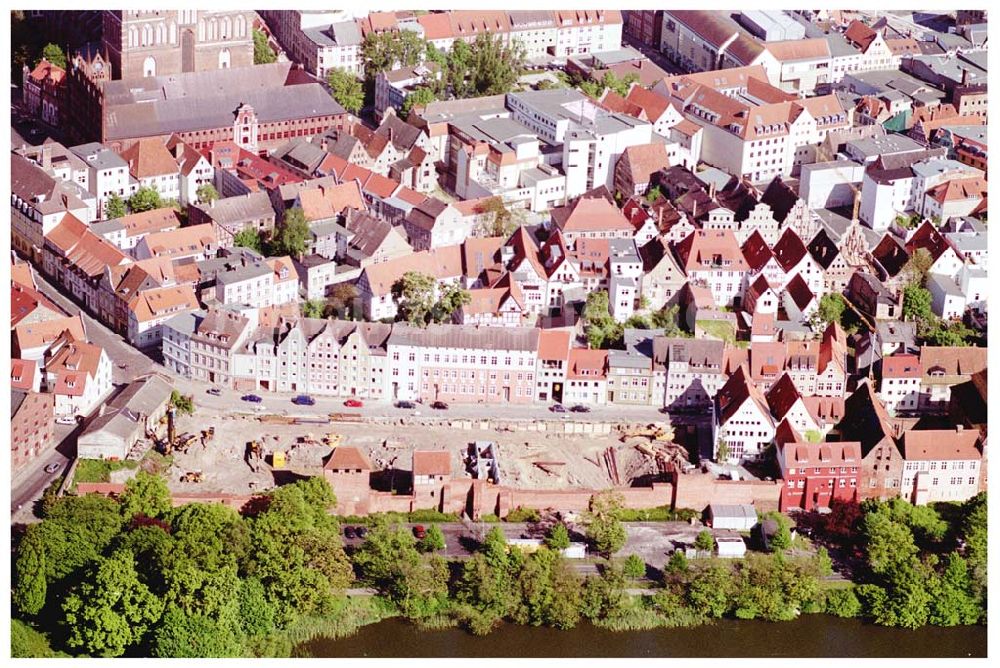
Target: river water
[(808, 636)]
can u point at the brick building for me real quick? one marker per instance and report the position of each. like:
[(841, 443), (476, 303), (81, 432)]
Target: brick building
[(149, 43), (31, 425)]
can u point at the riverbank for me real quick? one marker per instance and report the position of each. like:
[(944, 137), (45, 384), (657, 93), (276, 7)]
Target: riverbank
[(811, 636)]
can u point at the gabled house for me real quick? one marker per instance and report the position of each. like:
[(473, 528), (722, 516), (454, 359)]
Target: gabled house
[(662, 278), (944, 367), (586, 377), (866, 421), (78, 374), (788, 404), (742, 420), (900, 386), (941, 465), (815, 474), (714, 260)]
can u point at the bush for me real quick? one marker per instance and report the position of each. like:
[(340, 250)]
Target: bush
[(634, 567), (704, 541), (657, 514), (520, 514), (843, 603)]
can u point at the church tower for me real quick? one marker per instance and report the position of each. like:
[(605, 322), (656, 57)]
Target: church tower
[(147, 43)]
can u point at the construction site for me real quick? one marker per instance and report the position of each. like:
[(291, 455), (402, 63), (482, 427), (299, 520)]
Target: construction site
[(243, 453)]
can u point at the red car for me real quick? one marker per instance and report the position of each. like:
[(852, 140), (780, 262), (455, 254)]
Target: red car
[(419, 531), (354, 403)]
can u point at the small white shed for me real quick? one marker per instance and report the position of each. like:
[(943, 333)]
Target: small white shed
[(740, 517), (731, 547)]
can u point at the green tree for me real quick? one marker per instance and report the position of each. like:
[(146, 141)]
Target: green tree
[(668, 319), (782, 538), (313, 308), (709, 592), (183, 404), (954, 601), (453, 297), (248, 237), (831, 308), (111, 609), (114, 207), (704, 542), (180, 634), (206, 192), (653, 194), (29, 586), (953, 333), (433, 540), (634, 567), (341, 297), (346, 89), (503, 221), (76, 532), (262, 52), (487, 67), (604, 530), (52, 53), (604, 597), (255, 610), (890, 543), (414, 295), (918, 267), (145, 494), (722, 451), (421, 97), (843, 603), (377, 51), (678, 563), (145, 198), (601, 329), (291, 235), (916, 303), (558, 538)]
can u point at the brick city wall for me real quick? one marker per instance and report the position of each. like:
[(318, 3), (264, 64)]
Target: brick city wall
[(697, 490)]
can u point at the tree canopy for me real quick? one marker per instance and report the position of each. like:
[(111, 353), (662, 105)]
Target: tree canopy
[(346, 89), (291, 235), (262, 52), (145, 198), (54, 54)]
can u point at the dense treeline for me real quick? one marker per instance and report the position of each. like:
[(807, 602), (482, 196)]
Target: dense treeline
[(137, 577)]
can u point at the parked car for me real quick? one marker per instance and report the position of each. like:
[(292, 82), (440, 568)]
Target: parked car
[(360, 532), (252, 398), (557, 408), (580, 408), (66, 419), (53, 467), (405, 404), (214, 391), (419, 531), (439, 406), (303, 400), (354, 403), (349, 532)]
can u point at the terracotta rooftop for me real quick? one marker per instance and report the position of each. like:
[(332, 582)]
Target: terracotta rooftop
[(345, 457), (941, 444), (431, 462)]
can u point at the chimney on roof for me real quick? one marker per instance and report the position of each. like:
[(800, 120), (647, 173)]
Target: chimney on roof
[(47, 152), (965, 76), (960, 428), (711, 190)]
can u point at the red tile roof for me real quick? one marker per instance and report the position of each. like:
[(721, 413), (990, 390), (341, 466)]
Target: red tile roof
[(345, 457), (431, 462), (901, 366), (587, 364), (941, 445)]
